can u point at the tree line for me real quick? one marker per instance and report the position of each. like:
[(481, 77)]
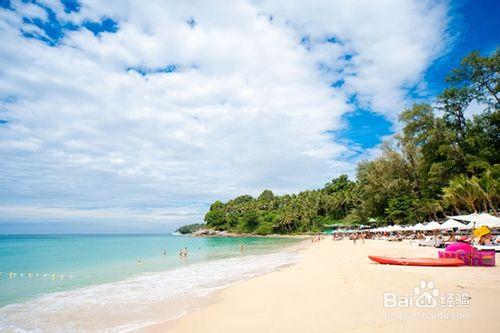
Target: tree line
[(441, 163)]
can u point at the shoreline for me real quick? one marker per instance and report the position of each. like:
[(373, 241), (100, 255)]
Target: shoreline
[(334, 287), (216, 296), (148, 297)]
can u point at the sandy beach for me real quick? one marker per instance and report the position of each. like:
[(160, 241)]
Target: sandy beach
[(336, 288)]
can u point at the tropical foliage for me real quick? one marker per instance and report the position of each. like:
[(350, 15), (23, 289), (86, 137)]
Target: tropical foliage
[(442, 162)]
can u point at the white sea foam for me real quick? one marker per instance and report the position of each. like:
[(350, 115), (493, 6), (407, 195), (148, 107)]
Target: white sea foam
[(135, 302)]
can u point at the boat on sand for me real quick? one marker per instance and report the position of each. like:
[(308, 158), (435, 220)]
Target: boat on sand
[(387, 260)]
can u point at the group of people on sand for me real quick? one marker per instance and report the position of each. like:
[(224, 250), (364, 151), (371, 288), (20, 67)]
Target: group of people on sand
[(394, 236), (357, 236), (437, 238), (352, 236)]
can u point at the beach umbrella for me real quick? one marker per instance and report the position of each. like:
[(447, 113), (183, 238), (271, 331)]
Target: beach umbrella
[(491, 225), (418, 227), (433, 225), (450, 224), (396, 228), (487, 220), (478, 220)]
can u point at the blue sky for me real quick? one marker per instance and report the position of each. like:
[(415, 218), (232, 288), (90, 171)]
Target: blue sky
[(474, 25), (127, 117)]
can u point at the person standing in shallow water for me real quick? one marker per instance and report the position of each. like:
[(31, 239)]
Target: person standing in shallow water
[(183, 252)]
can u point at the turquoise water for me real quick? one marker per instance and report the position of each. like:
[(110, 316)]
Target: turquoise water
[(33, 265)]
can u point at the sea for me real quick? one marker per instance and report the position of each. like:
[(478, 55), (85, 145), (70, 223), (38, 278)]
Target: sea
[(117, 283)]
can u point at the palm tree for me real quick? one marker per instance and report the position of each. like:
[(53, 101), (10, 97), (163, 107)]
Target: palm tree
[(464, 191), (286, 220), (431, 208), (491, 189)]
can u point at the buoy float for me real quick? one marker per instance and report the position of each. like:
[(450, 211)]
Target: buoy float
[(53, 276)]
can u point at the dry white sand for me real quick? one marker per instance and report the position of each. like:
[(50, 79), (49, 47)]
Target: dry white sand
[(336, 288)]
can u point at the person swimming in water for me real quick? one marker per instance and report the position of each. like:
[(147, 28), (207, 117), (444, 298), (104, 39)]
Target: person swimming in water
[(139, 262)]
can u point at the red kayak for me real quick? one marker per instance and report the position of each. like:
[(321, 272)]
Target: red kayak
[(417, 261)]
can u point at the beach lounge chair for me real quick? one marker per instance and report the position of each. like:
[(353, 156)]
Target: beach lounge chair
[(432, 241)]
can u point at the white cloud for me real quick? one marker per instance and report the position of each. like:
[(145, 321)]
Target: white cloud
[(57, 214), (248, 108), (392, 42)]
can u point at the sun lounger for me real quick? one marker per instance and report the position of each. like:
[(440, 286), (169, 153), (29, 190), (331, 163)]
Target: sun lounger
[(431, 241), (495, 248)]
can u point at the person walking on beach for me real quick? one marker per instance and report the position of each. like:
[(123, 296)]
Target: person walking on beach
[(242, 249), (354, 238)]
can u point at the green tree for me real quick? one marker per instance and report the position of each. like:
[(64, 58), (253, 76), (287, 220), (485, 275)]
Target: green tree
[(480, 75)]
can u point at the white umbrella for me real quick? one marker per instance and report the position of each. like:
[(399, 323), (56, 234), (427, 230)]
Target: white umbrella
[(419, 227), (396, 228), (479, 219), (490, 225), (450, 224), (433, 225)]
